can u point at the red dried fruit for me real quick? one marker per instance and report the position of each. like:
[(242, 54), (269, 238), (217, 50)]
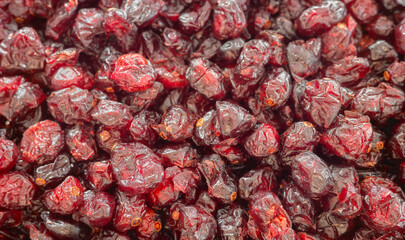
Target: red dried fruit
[(9, 154), (311, 174), (129, 213), (137, 169), (52, 174), (181, 155), (22, 51), (112, 114), (350, 137), (396, 73), (196, 223), (206, 78), (141, 127), (397, 142), (42, 142), (364, 10), (80, 141), (263, 142), (275, 89), (142, 12), (133, 73), (232, 222), (118, 24), (59, 21), (348, 71), (100, 175), (317, 19), (228, 20), (66, 198), (262, 179), (68, 76), (98, 208), (70, 105), (194, 18), (16, 191), (177, 124), (87, 27), (268, 219), (400, 37)]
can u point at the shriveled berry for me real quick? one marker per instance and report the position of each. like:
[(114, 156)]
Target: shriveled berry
[(317, 19), (228, 20), (397, 142), (141, 129), (330, 226), (129, 213), (118, 24), (262, 179), (87, 27), (112, 114), (16, 191), (206, 77), (196, 223), (275, 89), (229, 51), (42, 142), (207, 130), (61, 18), (364, 10), (181, 155), (350, 137), (399, 37), (299, 207), (68, 76), (108, 137), (22, 51), (177, 124), (150, 227), (304, 58), (64, 228), (348, 71), (233, 119), (137, 169), (221, 184), (311, 174), (66, 198), (52, 174), (194, 18), (133, 73), (100, 175), (9, 154), (268, 219), (263, 142), (70, 105), (396, 73), (80, 140), (321, 102), (98, 208), (142, 12), (232, 222)]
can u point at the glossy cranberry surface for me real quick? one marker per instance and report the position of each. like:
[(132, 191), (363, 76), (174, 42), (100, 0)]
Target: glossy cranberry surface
[(202, 119)]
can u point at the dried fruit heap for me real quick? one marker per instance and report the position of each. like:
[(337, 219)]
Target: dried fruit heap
[(202, 119)]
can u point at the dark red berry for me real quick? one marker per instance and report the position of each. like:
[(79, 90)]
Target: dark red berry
[(16, 191)]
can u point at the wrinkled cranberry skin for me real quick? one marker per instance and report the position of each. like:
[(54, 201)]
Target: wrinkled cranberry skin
[(321, 101), (232, 222), (100, 175), (108, 137), (22, 51), (66, 198), (181, 155), (275, 89), (98, 208), (263, 142), (311, 174), (304, 58), (133, 73), (112, 114), (221, 184), (399, 37), (317, 19), (194, 18), (70, 105), (52, 174), (9, 154), (87, 25), (233, 119), (348, 71), (350, 137), (42, 142), (229, 51), (396, 73), (137, 169), (68, 76), (250, 66), (63, 228), (262, 179), (299, 137), (177, 124), (141, 129), (364, 10), (142, 12), (59, 21), (62, 58), (25, 100), (397, 142), (345, 199), (80, 140), (228, 20), (206, 77), (196, 222), (208, 131), (117, 23), (268, 219), (10, 218), (16, 191), (331, 227), (299, 207), (379, 103), (383, 208)]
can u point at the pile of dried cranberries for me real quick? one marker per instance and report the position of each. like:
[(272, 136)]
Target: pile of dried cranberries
[(202, 119)]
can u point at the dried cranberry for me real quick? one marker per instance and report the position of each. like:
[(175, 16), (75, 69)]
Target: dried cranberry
[(137, 169), (112, 114), (263, 142), (16, 191), (262, 179), (399, 37), (228, 20), (181, 155), (348, 71), (232, 222), (66, 198), (142, 12), (52, 174), (66, 77), (397, 142), (133, 73), (98, 208), (118, 24), (42, 142), (100, 175), (59, 21), (196, 223), (194, 18), (275, 89), (9, 154)]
